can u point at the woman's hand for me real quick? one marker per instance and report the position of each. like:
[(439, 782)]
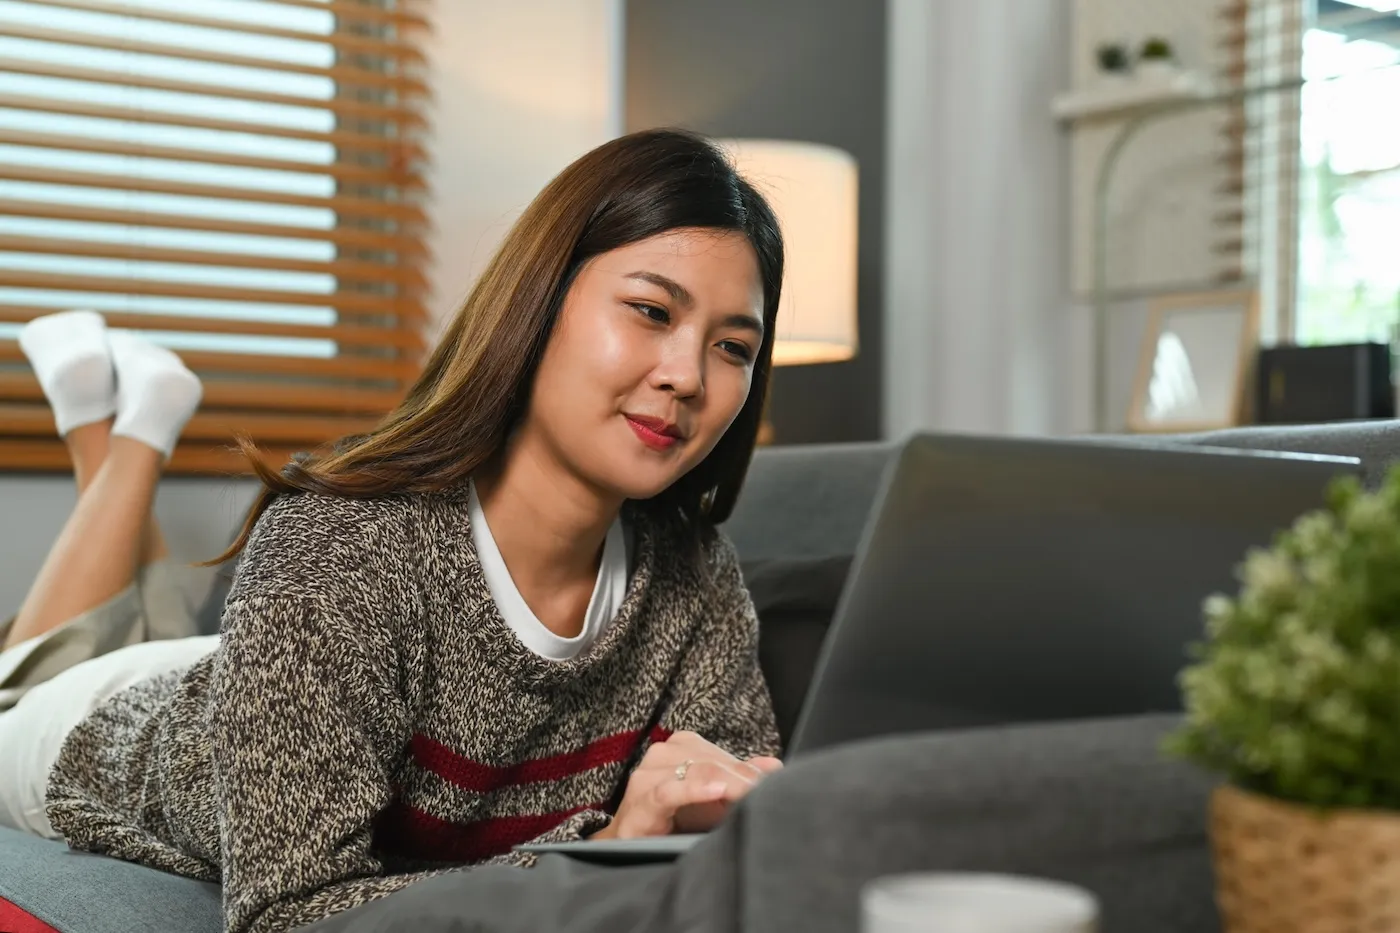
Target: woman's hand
[(684, 784)]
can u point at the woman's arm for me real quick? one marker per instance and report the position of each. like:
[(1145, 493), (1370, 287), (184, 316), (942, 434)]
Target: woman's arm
[(719, 691), (723, 732), (305, 726)]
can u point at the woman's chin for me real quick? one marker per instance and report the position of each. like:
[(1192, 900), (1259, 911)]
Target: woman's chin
[(643, 491), (644, 481)]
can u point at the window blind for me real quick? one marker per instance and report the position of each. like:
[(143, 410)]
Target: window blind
[(1258, 213), (1314, 160), (238, 180)]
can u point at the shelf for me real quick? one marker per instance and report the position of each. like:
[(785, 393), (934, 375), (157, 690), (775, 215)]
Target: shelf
[(1115, 101)]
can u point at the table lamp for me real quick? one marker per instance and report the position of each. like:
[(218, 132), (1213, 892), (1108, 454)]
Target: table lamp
[(812, 189)]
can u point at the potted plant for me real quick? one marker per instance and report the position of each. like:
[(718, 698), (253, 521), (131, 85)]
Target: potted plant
[(1157, 61), (1114, 64), (1295, 700)]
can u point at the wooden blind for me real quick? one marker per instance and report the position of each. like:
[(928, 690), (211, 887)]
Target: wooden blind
[(1258, 217), (238, 180)]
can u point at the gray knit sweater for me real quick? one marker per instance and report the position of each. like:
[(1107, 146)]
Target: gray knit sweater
[(369, 718)]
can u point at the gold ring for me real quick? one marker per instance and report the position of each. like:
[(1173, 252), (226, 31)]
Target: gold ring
[(683, 768)]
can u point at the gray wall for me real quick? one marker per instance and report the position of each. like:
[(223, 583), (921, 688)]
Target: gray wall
[(811, 70), (198, 517)]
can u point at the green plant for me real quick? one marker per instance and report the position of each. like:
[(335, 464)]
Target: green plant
[(1112, 57), (1157, 49), (1296, 692)]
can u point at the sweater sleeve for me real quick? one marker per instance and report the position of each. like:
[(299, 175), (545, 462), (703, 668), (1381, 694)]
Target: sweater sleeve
[(719, 691), (305, 727)]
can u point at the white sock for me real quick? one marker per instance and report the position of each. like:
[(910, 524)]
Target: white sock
[(69, 354), (156, 394)]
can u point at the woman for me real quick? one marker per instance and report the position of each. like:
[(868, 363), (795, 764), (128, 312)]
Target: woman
[(505, 614), (119, 404)]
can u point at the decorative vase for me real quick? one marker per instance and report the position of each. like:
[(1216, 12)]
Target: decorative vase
[(1283, 868)]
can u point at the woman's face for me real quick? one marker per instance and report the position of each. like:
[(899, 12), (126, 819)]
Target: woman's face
[(650, 361)]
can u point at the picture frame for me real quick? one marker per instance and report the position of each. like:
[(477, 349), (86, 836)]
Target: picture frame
[(1194, 365)]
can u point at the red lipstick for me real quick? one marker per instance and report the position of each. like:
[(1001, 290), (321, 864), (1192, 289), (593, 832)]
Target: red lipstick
[(656, 433)]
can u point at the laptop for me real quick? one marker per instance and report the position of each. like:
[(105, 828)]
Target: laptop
[(1012, 580)]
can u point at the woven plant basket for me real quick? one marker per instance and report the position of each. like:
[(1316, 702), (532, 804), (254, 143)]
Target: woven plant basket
[(1281, 868)]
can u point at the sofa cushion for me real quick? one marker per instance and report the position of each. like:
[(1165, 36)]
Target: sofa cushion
[(76, 892), (795, 600), (807, 501)]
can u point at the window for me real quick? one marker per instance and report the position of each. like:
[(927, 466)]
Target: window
[(1349, 211), (236, 179)]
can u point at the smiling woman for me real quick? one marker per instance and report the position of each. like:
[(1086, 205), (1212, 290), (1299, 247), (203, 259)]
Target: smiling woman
[(635, 204), (505, 614)]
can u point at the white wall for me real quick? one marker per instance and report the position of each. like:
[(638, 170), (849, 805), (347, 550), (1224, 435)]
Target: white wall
[(977, 331), (521, 89)]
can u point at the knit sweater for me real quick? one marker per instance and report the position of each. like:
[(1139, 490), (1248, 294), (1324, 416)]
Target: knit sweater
[(369, 719)]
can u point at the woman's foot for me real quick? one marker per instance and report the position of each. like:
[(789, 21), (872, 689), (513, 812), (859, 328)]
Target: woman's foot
[(156, 393), (69, 354)]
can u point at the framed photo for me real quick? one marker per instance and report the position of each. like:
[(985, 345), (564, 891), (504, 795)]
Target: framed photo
[(1194, 367)]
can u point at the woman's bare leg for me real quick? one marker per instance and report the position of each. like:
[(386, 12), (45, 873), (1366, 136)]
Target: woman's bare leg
[(153, 546), (87, 448), (118, 452), (105, 540)]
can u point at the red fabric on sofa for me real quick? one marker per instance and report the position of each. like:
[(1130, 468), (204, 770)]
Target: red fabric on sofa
[(14, 920)]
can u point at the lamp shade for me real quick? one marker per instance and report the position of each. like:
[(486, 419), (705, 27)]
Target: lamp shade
[(812, 189)]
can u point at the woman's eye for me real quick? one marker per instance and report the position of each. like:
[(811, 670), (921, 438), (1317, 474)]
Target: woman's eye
[(659, 315), (736, 349)]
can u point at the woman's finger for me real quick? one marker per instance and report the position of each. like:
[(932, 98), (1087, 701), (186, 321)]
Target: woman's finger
[(733, 775), (738, 780), (670, 796), (649, 807), (766, 764), (747, 769), (691, 745), (691, 796), (700, 817), (664, 757)]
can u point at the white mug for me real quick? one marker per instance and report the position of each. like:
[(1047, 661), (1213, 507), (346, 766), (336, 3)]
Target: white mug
[(973, 903)]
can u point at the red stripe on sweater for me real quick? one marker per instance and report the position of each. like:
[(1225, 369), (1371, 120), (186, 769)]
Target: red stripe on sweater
[(474, 776), (409, 831)]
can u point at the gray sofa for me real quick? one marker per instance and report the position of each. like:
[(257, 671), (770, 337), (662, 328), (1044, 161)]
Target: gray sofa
[(1089, 802)]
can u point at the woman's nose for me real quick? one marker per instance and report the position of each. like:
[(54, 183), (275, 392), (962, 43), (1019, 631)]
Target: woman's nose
[(681, 369)]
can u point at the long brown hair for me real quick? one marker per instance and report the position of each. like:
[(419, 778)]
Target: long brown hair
[(476, 383)]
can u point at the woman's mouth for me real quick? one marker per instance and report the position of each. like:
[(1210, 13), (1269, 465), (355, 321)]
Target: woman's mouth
[(653, 432)]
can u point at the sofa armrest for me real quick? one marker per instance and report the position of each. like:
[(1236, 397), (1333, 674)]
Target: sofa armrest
[(1088, 802)]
